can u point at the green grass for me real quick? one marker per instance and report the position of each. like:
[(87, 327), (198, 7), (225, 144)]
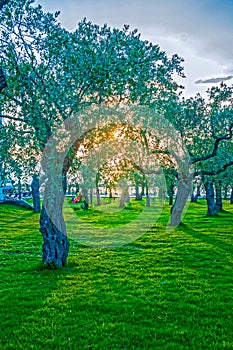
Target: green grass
[(164, 291), (109, 214), (109, 225)]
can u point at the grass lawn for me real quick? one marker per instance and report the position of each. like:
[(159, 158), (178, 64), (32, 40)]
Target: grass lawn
[(164, 291), (108, 225)]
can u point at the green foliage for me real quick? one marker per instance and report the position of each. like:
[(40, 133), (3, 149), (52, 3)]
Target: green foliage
[(206, 127), (52, 73), (162, 292)]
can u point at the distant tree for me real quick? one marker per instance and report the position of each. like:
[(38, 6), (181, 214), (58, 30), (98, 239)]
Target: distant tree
[(207, 128)]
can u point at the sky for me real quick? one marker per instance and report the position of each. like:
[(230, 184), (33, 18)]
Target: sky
[(200, 31)]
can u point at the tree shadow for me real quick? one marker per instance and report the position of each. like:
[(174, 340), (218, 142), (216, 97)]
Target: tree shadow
[(206, 238)]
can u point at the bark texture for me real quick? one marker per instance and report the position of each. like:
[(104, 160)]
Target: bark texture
[(184, 190), (211, 206), (56, 245), (52, 225), (218, 190)]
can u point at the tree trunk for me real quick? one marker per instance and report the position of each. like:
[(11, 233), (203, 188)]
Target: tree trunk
[(85, 195), (53, 229), (98, 195), (97, 188), (110, 192), (231, 197), (170, 190), (171, 199), (143, 190), (138, 195), (194, 197), (91, 196), (225, 192), (56, 244), (85, 204), (209, 188), (183, 191), (122, 202), (127, 196), (19, 189), (147, 196), (36, 193), (218, 190), (171, 194), (124, 193)]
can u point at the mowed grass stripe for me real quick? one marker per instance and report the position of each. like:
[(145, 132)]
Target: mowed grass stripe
[(163, 291)]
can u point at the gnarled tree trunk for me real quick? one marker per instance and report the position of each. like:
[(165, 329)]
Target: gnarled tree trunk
[(56, 245), (183, 191), (52, 226), (209, 188)]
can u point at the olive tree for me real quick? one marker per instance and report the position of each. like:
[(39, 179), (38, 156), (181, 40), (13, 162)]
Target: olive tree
[(51, 74), (207, 129)]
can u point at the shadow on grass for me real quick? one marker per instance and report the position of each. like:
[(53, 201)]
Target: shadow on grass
[(206, 238)]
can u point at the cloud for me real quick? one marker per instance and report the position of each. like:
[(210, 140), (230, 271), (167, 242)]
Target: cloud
[(213, 80), (206, 25), (199, 31), (228, 70)]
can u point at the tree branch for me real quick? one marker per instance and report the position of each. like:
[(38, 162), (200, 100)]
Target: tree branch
[(216, 144), (212, 173)]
